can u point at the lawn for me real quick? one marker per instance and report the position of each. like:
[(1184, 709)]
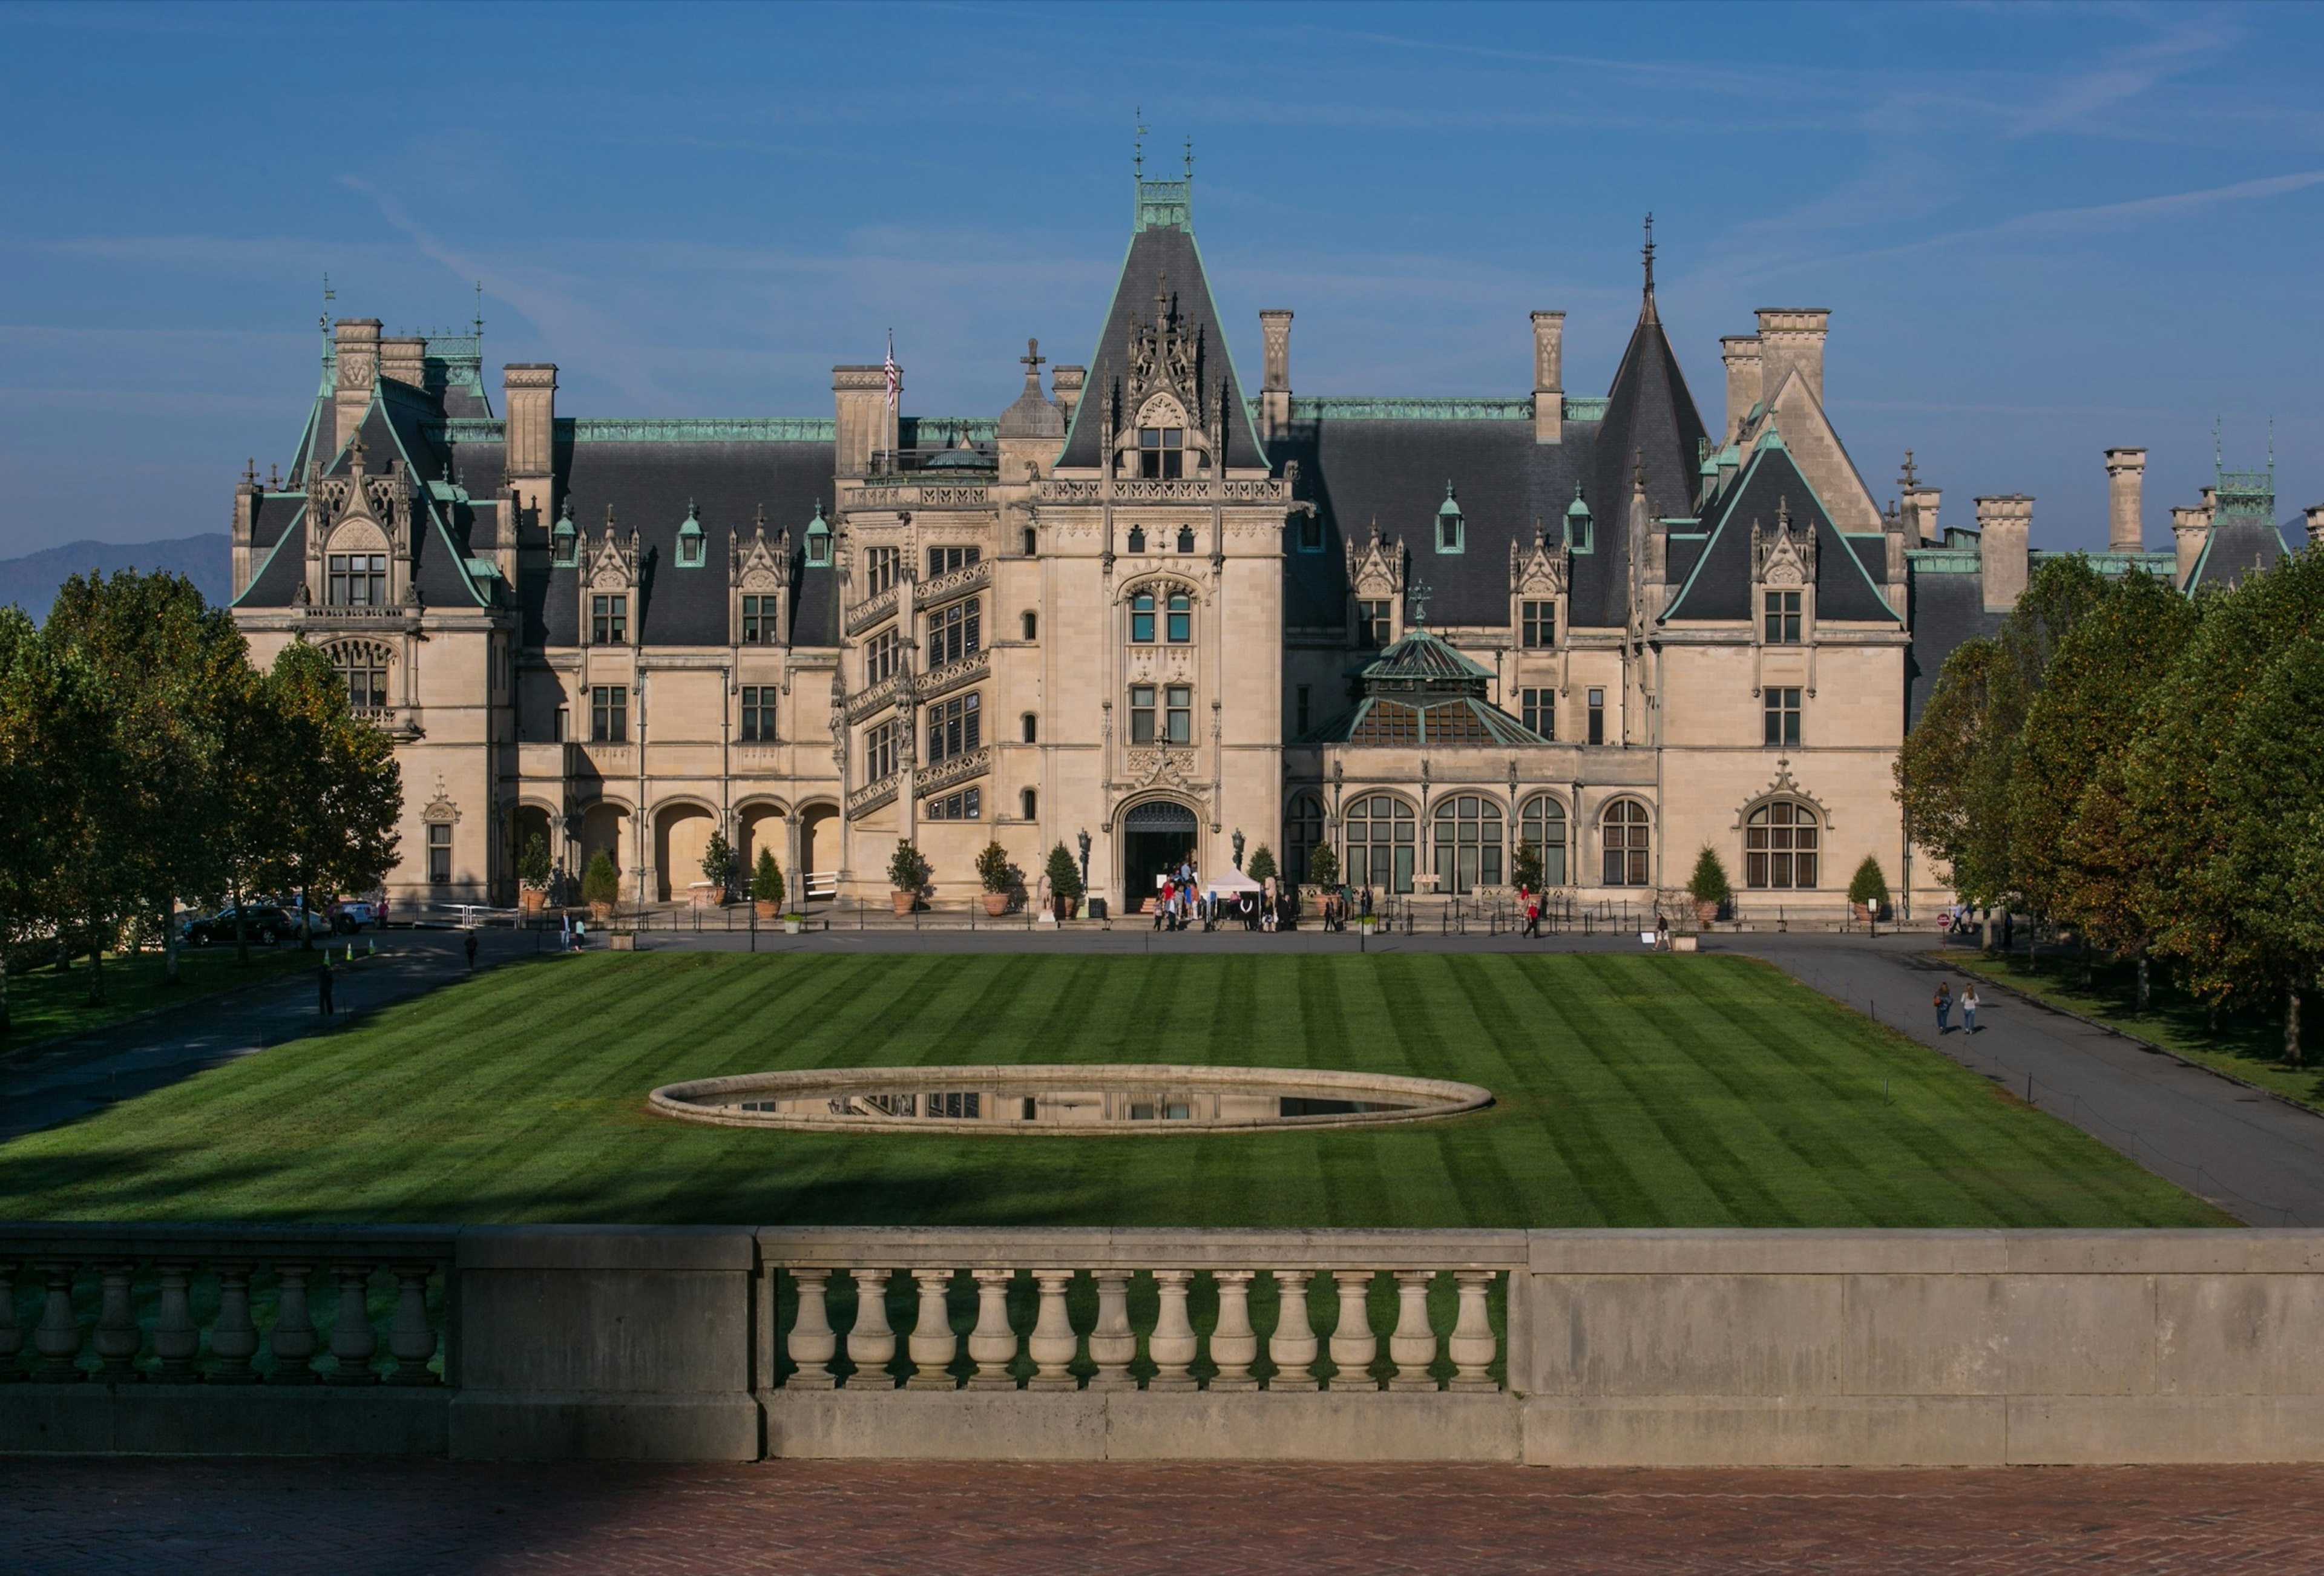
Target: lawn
[(44, 1003), (2249, 1044), (1631, 1091)]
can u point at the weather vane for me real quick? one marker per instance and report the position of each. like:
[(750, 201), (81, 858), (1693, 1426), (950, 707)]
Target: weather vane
[(1138, 155)]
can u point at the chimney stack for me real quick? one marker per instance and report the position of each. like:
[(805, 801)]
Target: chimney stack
[(355, 354), (2316, 525), (2190, 527), (1066, 388), (1549, 377), (2126, 493), (1791, 338), (1920, 513), (1740, 352), (2005, 527), (866, 425), (1274, 379), (405, 360)]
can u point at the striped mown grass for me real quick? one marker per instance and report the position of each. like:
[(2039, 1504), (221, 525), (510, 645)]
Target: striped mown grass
[(1631, 1091)]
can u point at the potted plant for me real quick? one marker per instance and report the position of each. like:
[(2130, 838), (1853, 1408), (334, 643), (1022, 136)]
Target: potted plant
[(908, 875), (718, 866), (532, 875), (1708, 886), (1262, 864), (767, 885), (601, 885), (794, 923), (1868, 889), (1065, 882), (997, 877)]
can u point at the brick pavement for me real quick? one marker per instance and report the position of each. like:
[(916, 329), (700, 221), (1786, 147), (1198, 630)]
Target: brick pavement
[(354, 1518)]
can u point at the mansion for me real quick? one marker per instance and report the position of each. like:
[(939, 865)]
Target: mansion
[(1150, 605)]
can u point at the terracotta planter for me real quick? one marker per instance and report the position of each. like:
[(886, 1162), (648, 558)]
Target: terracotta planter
[(1060, 909), (622, 941), (601, 912), (1863, 913), (766, 910), (904, 901), (1705, 913), (531, 901), (996, 904)]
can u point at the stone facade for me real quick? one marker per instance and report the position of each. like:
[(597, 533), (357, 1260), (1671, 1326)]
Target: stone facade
[(1142, 606)]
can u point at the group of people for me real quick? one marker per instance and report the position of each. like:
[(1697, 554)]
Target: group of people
[(1181, 899), (1946, 1000)]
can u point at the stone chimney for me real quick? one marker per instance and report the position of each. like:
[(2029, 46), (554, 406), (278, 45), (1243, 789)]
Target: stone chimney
[(244, 527), (1275, 376), (529, 398), (1549, 377), (355, 353), (1920, 504), (2316, 525), (404, 359), (1066, 388), (2190, 527), (2126, 493), (1791, 338), (2004, 525), (1740, 352), (866, 425)]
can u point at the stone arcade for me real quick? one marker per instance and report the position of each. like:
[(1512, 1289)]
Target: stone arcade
[(1148, 605)]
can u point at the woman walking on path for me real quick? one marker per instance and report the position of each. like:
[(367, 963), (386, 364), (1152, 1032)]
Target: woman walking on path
[(1944, 1006), (1969, 1005)]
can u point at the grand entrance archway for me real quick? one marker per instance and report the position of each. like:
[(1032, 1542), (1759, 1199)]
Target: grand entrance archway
[(1155, 836)]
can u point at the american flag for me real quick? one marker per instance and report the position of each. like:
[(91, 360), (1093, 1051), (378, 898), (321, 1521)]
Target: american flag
[(895, 373)]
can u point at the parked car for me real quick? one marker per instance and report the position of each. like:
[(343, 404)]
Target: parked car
[(349, 914), (264, 923)]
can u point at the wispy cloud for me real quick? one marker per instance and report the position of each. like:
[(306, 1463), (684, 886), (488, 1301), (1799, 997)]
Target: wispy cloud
[(2105, 215)]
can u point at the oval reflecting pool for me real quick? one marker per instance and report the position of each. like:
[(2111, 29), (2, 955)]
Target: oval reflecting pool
[(1066, 1099)]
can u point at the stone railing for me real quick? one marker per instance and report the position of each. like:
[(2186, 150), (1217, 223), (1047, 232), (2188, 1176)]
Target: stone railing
[(871, 796), (872, 609), (864, 702), (953, 674), (890, 494), (957, 768), (952, 583)]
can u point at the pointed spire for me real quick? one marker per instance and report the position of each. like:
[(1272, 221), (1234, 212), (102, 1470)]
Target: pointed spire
[(1647, 313)]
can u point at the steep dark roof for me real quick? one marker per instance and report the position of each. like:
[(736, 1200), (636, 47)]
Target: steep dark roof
[(1650, 420), (2236, 545), (1716, 583), (1948, 613)]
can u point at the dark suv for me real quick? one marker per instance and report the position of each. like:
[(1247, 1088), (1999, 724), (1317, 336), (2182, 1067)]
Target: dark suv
[(264, 923)]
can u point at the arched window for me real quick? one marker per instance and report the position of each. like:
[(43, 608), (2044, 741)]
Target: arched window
[(1136, 538), (1542, 822), (1382, 841), (1626, 843), (1181, 619), (1779, 846), (361, 667), (1303, 834), (1468, 843), (1141, 618), (1185, 538)]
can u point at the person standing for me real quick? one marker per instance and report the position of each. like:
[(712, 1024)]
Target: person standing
[(1944, 1005), (1969, 1005), (1533, 914), (1662, 932), (468, 945), (323, 983)]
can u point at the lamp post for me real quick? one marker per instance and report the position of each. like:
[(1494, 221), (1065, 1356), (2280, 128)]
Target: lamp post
[(1084, 840)]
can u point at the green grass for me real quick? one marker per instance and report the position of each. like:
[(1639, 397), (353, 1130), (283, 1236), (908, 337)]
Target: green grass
[(2249, 1044), (1630, 1091), (44, 1003)]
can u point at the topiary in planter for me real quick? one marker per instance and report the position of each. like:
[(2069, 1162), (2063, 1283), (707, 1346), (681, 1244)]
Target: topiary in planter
[(1708, 886), (907, 874), (601, 885), (767, 885), (1868, 888), (1262, 864), (1064, 879)]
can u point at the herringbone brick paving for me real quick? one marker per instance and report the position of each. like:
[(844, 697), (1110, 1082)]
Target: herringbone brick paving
[(348, 1519)]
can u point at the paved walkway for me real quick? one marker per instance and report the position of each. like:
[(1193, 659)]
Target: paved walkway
[(65, 1081), (60, 1518)]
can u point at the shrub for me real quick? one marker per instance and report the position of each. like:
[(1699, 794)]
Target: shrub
[(1324, 866), (1525, 865), (600, 882), (1262, 864), (532, 865), (908, 871), (767, 878), (1869, 886), (1065, 875), (992, 871), (718, 862), (1709, 882)]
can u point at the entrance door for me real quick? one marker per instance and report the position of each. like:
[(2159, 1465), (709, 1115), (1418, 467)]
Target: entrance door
[(1156, 838)]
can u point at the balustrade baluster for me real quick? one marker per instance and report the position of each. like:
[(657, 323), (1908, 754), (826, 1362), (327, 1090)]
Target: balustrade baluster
[(410, 1338), (176, 1340), (1353, 1344), (1171, 1347), (1412, 1345), (292, 1340), (993, 1344), (1292, 1346), (1112, 1344), (932, 1345), (58, 1337), (234, 1339), (1053, 1344), (1234, 1346), (812, 1345), (353, 1340), (12, 1333), (118, 1338), (1471, 1347), (871, 1344)]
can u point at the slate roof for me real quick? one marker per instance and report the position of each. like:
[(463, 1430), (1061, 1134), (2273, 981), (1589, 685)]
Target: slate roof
[(1948, 612), (1650, 420), (1715, 582), (2235, 544)]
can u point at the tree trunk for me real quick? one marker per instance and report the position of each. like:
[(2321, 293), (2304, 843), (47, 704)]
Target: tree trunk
[(5, 1025), (241, 932), (2142, 988), (2291, 1057), (305, 908), (2085, 959), (169, 940), (96, 963), (1988, 923), (64, 949)]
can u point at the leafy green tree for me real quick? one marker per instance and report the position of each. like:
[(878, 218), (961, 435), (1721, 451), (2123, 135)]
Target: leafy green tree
[(908, 868), (1525, 865), (342, 789), (1870, 884), (600, 882), (1324, 865), (767, 878), (1262, 864), (993, 872), (533, 866), (1709, 883), (54, 731), (719, 863), (1065, 875)]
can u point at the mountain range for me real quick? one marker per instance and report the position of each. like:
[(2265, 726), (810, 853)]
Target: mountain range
[(32, 581)]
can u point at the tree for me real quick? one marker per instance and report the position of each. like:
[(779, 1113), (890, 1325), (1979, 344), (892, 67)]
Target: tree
[(1262, 864), (533, 866), (766, 878), (600, 882), (1324, 864), (908, 868), (51, 727), (1065, 876), (341, 789), (719, 863), (993, 872), (1869, 885), (1525, 865), (1709, 883)]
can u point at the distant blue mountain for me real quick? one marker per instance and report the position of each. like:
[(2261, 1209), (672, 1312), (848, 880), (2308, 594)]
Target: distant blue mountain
[(32, 581)]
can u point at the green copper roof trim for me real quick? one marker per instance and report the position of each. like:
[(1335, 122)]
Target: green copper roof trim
[(1587, 406), (1428, 408), (1942, 561), (1165, 205), (1726, 518), (913, 431), (699, 429)]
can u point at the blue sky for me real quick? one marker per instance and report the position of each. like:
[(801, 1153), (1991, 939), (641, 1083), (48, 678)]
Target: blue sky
[(2041, 230)]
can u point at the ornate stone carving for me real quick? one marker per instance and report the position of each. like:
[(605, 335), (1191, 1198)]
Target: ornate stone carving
[(1375, 570), (1544, 571), (1785, 557)]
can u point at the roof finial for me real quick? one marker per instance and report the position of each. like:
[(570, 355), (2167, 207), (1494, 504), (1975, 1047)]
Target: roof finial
[(1138, 155), (480, 309), (1910, 479), (1032, 358), (1647, 252), (1190, 158)]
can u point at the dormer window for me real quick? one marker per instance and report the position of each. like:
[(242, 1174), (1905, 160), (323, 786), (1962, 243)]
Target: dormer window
[(1577, 523), (818, 540), (693, 549), (1451, 528), (1161, 453), (357, 580), (564, 542)]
